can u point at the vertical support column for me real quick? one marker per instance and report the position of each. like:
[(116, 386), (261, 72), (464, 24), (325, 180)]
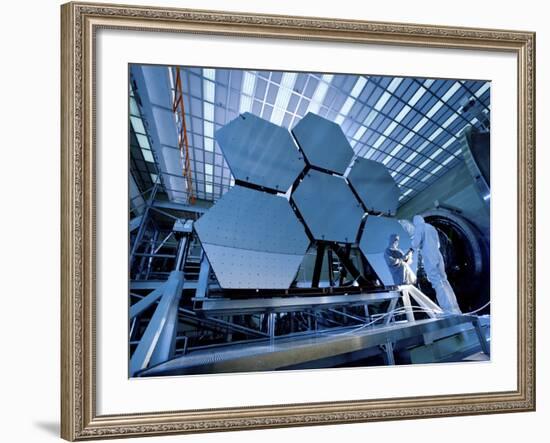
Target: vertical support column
[(204, 274), (143, 223), (481, 337), (271, 327), (330, 262), (152, 252), (391, 307), (318, 265), (367, 313), (182, 252), (388, 349), (407, 304)]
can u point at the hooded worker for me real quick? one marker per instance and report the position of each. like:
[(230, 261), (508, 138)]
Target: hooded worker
[(426, 240), (399, 262)]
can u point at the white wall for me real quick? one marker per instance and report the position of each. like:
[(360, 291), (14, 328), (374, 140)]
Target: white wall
[(29, 155)]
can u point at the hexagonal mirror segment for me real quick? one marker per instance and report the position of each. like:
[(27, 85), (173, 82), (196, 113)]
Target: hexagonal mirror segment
[(374, 185), (252, 240), (374, 241), (260, 153), (323, 143), (328, 207)]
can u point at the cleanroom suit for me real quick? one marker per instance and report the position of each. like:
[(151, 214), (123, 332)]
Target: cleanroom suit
[(426, 240), (399, 263)]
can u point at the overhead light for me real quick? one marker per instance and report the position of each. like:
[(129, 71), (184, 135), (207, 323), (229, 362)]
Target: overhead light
[(382, 101), (434, 109), (360, 132), (378, 142), (137, 124), (358, 87), (456, 86), (402, 113), (482, 90), (406, 139), (320, 93), (350, 101), (420, 124), (436, 153), (143, 141), (395, 151), (422, 146), (283, 97), (134, 110), (148, 155), (417, 96), (394, 84), (428, 83), (209, 91), (208, 111), (390, 128), (434, 134), (209, 95), (210, 74), (370, 118), (413, 173), (249, 81), (424, 163), (449, 142), (208, 144), (451, 119), (208, 134)]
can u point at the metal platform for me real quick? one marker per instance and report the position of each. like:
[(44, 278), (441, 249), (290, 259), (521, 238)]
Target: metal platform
[(292, 352)]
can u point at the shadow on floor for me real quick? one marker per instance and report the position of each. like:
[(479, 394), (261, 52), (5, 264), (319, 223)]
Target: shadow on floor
[(50, 427)]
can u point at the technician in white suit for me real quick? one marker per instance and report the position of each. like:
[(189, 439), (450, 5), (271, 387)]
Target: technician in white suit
[(426, 240)]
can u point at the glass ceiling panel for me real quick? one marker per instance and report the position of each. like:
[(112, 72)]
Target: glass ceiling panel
[(409, 124)]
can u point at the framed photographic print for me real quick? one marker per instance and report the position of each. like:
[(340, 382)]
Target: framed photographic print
[(297, 216)]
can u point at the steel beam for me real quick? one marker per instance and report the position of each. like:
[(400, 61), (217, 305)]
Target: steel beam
[(158, 340), (289, 304), (179, 206), (144, 303)]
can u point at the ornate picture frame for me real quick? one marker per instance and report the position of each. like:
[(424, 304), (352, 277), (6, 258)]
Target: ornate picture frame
[(80, 23)]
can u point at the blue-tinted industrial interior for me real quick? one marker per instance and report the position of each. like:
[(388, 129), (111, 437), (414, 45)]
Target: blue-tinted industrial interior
[(289, 220)]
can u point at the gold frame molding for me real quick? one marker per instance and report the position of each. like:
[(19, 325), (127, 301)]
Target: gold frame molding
[(79, 22)]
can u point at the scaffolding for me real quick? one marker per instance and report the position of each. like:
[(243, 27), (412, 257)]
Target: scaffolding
[(178, 108)]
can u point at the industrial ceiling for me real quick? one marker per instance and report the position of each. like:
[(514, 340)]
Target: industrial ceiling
[(411, 125)]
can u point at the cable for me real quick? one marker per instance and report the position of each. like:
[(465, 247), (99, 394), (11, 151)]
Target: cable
[(478, 309), (401, 310)]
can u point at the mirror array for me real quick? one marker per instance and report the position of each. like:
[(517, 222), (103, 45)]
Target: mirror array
[(292, 190)]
